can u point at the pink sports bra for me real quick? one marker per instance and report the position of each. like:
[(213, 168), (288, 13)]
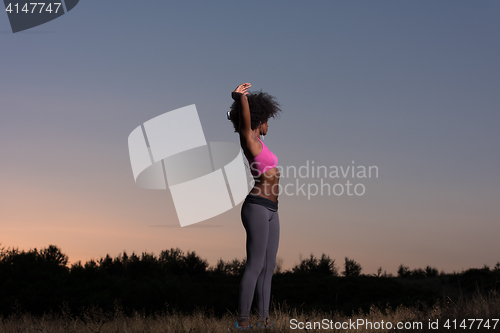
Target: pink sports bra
[(264, 161)]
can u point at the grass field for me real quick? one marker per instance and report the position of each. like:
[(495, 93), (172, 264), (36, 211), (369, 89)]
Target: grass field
[(466, 311)]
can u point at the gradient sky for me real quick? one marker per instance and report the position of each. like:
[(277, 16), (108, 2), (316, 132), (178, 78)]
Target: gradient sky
[(411, 87)]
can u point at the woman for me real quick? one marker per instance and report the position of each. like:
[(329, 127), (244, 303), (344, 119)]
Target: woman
[(259, 212)]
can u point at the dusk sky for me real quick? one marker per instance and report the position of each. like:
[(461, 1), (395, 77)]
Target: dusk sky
[(411, 87)]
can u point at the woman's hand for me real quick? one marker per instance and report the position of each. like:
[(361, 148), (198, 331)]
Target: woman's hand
[(240, 90)]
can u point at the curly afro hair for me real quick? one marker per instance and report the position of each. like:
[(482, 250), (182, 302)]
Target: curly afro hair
[(262, 107)]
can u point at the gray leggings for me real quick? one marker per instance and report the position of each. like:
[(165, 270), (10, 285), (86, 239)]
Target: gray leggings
[(263, 232)]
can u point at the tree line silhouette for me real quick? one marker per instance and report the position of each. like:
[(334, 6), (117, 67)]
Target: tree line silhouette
[(39, 281)]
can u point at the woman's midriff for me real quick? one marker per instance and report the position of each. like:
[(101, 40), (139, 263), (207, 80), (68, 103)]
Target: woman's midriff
[(267, 184)]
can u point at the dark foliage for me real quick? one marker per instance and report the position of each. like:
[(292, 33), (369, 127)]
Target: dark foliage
[(313, 265), (403, 271), (417, 273), (351, 268), (40, 280), (233, 268)]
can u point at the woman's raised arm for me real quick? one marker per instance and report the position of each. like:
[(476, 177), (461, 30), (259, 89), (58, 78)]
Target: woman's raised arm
[(239, 95)]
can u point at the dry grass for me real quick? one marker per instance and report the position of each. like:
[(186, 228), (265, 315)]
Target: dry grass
[(93, 319)]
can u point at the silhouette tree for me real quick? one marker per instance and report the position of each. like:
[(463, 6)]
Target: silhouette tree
[(194, 264), (174, 261), (53, 254), (351, 268), (431, 271), (404, 271), (324, 265), (235, 267), (418, 273)]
